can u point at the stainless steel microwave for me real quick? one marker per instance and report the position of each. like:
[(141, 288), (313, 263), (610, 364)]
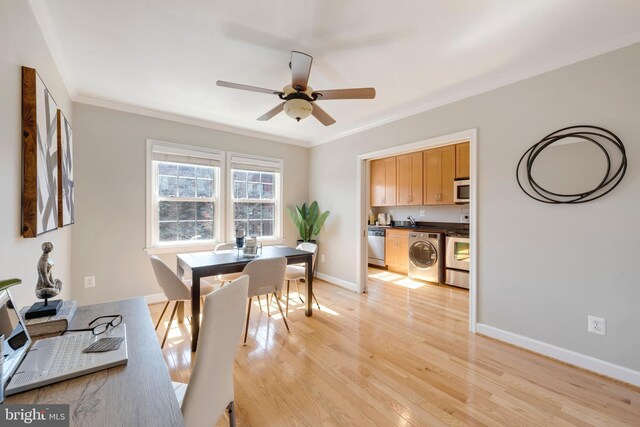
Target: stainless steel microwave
[(461, 191)]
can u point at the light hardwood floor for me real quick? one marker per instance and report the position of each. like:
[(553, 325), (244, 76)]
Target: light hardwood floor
[(400, 355)]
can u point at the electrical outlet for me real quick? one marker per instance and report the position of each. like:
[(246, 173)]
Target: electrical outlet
[(321, 257), (597, 325), (422, 212), (90, 282)]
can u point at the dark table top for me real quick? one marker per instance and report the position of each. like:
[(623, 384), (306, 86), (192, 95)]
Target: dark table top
[(197, 260)]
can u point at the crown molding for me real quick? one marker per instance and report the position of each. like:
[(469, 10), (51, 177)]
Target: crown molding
[(489, 85), (112, 105)]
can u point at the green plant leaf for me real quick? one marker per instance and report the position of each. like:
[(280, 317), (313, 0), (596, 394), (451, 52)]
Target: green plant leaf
[(314, 211), (4, 284), (320, 222)]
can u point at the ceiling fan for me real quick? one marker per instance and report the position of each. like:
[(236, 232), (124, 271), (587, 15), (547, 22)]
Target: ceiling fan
[(299, 99)]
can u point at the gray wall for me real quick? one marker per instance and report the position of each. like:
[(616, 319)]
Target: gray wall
[(110, 172), (22, 43), (542, 268)]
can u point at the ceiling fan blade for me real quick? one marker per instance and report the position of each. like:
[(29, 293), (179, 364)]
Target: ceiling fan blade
[(222, 83), (322, 115), (300, 69), (359, 93), (271, 113)]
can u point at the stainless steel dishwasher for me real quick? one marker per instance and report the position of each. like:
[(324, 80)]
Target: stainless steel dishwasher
[(376, 246)]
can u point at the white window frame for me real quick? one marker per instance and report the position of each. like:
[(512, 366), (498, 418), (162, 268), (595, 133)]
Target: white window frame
[(153, 246), (259, 164)]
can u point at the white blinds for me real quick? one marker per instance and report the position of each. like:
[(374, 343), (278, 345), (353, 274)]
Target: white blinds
[(176, 154), (262, 164)]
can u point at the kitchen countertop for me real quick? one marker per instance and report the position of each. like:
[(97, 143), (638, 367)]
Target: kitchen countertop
[(432, 227)]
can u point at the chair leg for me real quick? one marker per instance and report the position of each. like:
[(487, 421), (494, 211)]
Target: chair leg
[(287, 302), (246, 328), (268, 305), (166, 334), (259, 302), (281, 313), (231, 409), (162, 314), (315, 299), (298, 290)]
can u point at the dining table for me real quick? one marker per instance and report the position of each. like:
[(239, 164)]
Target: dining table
[(213, 263)]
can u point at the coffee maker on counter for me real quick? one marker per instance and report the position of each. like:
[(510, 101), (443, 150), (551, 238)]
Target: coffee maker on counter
[(384, 218)]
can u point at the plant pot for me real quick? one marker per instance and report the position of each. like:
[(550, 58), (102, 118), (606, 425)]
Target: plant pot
[(309, 241)]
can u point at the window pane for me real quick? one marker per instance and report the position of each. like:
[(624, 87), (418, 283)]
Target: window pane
[(168, 211), (186, 230), (267, 211), (186, 211), (239, 190), (239, 210), (266, 178), (254, 228), (253, 176), (168, 231), (267, 228), (239, 175), (204, 172), (253, 191), (204, 211), (187, 170), (167, 186), (186, 187), (204, 188), (204, 230), (253, 211), (267, 191), (167, 168)]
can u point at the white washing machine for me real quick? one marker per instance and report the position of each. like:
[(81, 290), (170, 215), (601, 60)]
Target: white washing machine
[(425, 261)]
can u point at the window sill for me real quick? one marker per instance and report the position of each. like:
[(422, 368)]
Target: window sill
[(178, 249)]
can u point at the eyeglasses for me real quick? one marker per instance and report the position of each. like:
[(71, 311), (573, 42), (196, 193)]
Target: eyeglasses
[(100, 328)]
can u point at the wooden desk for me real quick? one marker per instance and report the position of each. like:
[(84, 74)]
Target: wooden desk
[(138, 393), (204, 264)]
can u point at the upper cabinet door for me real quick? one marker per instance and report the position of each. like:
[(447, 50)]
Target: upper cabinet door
[(377, 182), (409, 182), (432, 177), (448, 173), (383, 182), (462, 160)]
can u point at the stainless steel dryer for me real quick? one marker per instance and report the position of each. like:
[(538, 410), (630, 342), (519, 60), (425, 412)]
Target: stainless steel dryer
[(425, 259)]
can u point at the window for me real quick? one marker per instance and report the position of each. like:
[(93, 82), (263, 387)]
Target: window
[(184, 203), (255, 196)]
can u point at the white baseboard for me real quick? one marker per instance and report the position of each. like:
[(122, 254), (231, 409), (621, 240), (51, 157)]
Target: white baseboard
[(562, 354), (335, 281), (155, 298)]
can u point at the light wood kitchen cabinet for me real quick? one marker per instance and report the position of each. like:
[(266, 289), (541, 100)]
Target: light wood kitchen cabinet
[(409, 179), (396, 250), (439, 174), (383, 182), (462, 160)]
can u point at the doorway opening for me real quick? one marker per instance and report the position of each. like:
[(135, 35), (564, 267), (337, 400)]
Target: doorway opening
[(364, 202)]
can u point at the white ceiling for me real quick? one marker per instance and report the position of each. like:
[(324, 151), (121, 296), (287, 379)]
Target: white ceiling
[(163, 57)]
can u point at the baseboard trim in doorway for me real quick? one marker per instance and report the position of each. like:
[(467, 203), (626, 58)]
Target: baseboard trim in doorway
[(570, 357), (339, 282)]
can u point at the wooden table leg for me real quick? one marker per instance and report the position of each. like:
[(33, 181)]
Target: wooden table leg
[(195, 310), (308, 299)]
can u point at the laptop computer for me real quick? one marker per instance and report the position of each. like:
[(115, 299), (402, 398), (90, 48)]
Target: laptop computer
[(49, 360)]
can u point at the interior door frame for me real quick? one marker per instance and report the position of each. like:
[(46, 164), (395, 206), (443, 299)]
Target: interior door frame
[(362, 170)]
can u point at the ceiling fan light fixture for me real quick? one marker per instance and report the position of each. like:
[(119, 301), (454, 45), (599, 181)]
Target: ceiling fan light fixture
[(298, 108)]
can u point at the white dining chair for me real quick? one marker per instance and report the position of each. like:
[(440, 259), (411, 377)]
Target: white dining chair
[(266, 276), (210, 387), (174, 289), (298, 272)]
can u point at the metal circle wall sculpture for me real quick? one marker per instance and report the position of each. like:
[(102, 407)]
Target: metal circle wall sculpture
[(603, 139)]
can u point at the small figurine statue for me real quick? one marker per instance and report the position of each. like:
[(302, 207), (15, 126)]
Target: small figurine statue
[(47, 287)]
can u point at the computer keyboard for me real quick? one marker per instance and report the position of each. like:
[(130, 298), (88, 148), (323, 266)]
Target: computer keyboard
[(66, 354)]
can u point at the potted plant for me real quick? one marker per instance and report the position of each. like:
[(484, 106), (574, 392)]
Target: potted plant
[(308, 220)]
